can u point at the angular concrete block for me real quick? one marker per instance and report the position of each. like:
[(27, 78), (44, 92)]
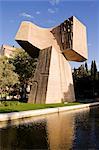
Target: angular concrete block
[(52, 82), (72, 38)]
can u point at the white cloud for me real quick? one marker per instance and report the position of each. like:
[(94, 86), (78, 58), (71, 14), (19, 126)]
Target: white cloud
[(26, 15), (38, 12), (54, 2), (52, 11)]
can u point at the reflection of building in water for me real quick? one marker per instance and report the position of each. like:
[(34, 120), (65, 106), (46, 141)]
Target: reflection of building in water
[(54, 132), (60, 131), (7, 50)]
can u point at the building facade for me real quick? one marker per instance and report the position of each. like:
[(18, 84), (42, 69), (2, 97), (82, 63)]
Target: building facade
[(7, 50)]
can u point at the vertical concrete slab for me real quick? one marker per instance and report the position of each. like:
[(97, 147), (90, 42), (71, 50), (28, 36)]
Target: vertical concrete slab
[(60, 84)]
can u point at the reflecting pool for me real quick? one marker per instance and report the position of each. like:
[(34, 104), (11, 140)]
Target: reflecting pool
[(78, 130)]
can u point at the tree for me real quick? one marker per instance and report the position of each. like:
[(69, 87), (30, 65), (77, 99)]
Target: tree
[(8, 78), (86, 68), (25, 67), (74, 74), (86, 82), (93, 69), (81, 71)]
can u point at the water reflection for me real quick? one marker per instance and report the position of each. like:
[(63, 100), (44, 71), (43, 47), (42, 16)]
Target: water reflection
[(29, 136), (87, 130), (73, 130), (60, 131)]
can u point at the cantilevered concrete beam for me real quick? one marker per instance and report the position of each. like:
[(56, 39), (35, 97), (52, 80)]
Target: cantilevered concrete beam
[(52, 82)]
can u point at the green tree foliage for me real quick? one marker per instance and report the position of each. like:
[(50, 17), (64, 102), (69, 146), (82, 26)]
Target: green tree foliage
[(75, 73), (81, 71), (86, 81), (86, 68), (8, 78), (93, 70), (25, 67)]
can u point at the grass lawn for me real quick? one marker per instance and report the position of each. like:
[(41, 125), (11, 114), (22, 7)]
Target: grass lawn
[(14, 106)]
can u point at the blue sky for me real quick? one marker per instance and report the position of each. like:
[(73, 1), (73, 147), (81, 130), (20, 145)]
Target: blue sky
[(48, 13)]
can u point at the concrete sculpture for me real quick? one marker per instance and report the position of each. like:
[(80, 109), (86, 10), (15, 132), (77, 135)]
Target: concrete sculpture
[(52, 82)]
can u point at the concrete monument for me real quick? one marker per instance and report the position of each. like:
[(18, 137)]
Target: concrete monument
[(52, 82)]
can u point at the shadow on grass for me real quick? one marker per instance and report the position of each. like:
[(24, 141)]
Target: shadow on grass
[(8, 111), (86, 101)]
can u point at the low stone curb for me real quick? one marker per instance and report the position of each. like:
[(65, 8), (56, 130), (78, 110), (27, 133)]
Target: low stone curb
[(34, 113)]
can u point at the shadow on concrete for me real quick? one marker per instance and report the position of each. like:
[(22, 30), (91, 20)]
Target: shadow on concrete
[(69, 96)]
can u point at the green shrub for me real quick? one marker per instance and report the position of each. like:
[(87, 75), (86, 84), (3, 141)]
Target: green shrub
[(9, 103)]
